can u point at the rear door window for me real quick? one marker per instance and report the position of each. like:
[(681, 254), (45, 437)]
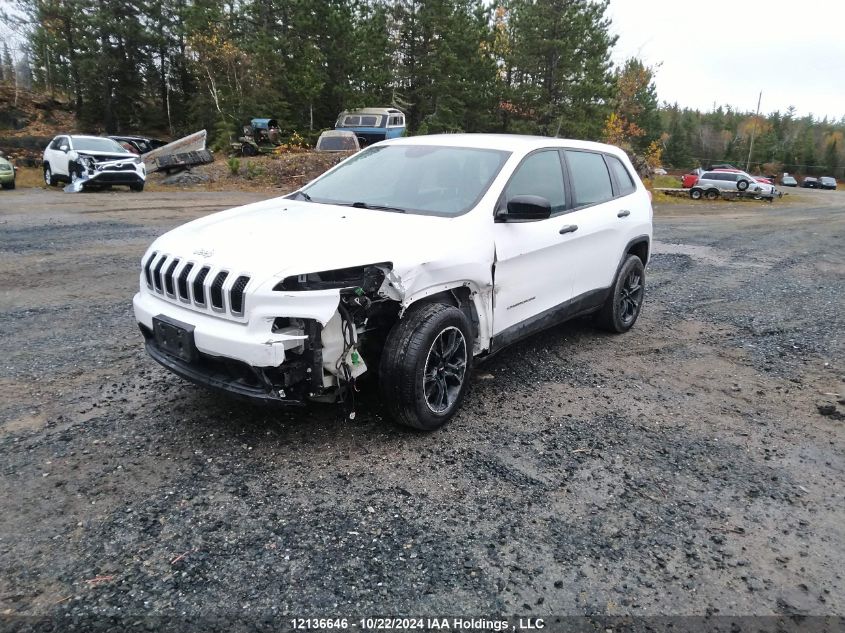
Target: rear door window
[(589, 177)]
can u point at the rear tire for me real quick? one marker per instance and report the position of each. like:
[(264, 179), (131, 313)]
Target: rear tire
[(712, 194), (695, 194), (623, 305), (425, 365)]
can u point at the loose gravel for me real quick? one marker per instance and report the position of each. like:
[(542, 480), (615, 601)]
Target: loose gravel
[(693, 466)]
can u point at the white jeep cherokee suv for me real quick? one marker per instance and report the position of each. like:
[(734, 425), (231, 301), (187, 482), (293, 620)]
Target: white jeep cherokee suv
[(411, 259)]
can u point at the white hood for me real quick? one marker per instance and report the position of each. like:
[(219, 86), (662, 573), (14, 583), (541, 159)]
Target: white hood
[(280, 237)]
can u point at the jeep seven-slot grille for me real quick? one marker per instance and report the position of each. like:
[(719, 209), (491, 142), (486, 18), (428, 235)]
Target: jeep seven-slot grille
[(148, 269), (167, 275), (182, 283), (217, 290), (199, 288), (157, 274), (236, 295)]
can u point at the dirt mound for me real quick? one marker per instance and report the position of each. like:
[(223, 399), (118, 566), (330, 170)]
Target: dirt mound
[(28, 120), (286, 172)]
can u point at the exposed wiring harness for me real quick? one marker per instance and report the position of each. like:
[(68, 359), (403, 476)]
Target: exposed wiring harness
[(347, 385)]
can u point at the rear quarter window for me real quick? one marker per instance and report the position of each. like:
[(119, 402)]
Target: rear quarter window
[(623, 176), (590, 178)]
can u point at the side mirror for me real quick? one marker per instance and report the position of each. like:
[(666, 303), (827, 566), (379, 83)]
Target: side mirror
[(526, 208), (64, 148)]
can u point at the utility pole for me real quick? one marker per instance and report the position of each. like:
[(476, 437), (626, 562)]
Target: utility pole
[(753, 131)]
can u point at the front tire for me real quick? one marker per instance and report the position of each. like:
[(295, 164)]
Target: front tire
[(49, 178), (137, 187), (623, 305), (425, 365)]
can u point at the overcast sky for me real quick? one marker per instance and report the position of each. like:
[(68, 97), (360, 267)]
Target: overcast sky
[(726, 52)]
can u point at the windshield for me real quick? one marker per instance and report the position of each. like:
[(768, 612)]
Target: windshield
[(423, 179), (98, 145), (338, 143)]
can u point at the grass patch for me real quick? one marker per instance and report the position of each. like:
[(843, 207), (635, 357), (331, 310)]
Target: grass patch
[(658, 197), (29, 177), (666, 182)]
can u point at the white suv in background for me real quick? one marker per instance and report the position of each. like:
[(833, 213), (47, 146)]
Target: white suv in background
[(711, 183), (92, 161), (410, 259)]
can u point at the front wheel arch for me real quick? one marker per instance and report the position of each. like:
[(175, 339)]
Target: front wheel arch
[(464, 295), (406, 363)]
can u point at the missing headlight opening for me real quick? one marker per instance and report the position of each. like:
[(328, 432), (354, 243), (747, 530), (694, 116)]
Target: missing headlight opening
[(327, 361), (369, 278), (355, 333)]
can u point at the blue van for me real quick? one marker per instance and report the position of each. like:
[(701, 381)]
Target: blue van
[(371, 125)]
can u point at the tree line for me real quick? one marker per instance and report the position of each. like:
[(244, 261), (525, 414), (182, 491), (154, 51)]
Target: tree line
[(775, 143), (451, 65), (525, 66)]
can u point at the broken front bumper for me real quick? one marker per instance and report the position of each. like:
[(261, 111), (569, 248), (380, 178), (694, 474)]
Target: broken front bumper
[(247, 358), (107, 173), (238, 379)]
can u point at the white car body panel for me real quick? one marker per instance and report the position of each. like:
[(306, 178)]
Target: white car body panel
[(523, 249)]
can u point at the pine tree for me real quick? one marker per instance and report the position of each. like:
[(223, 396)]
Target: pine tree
[(831, 155), (677, 152), (558, 67), (446, 73), (23, 72), (8, 65)]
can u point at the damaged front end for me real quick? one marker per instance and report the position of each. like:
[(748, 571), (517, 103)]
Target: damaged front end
[(91, 170), (305, 337), (366, 310)]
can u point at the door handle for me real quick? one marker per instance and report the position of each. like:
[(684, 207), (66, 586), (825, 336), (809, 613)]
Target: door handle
[(623, 214), (569, 228)]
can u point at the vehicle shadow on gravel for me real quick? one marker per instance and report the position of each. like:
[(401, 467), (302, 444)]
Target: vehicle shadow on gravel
[(520, 364)]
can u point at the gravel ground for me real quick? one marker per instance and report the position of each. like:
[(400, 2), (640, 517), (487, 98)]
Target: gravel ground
[(691, 467)]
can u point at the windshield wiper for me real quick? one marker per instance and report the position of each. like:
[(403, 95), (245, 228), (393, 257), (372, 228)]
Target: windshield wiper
[(376, 207), (304, 195)]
